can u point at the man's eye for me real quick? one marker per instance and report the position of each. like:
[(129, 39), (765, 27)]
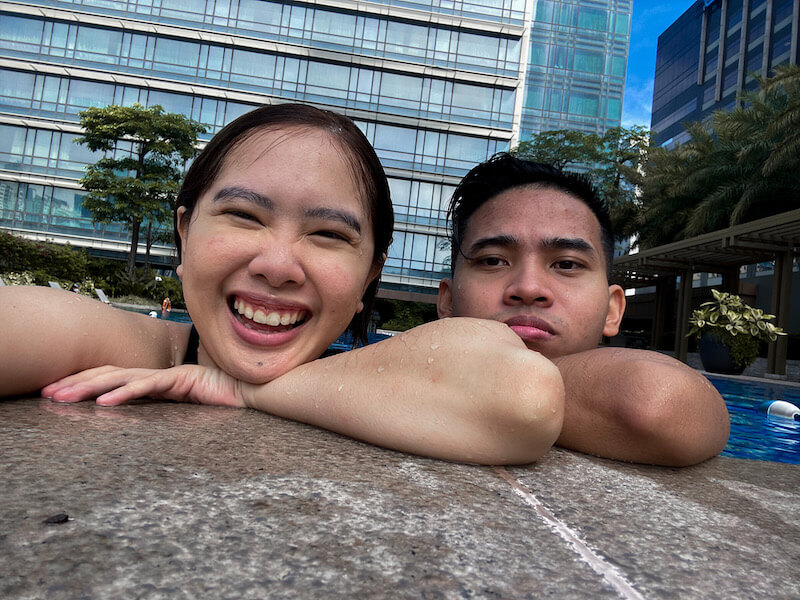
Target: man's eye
[(491, 261), (568, 265)]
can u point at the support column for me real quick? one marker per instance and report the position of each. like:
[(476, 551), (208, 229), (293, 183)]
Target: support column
[(723, 28), (682, 317), (781, 296), (664, 288), (767, 40), (730, 281)]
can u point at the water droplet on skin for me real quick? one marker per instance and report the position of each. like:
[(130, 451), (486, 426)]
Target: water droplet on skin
[(434, 346), (381, 368), (340, 388), (430, 359)]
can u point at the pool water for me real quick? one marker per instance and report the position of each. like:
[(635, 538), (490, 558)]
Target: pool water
[(753, 434)]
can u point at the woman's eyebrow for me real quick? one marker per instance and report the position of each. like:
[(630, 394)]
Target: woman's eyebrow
[(332, 214), (244, 194)]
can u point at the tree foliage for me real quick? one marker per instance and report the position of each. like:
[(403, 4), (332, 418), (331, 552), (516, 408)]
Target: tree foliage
[(144, 151), (744, 164), (614, 161)]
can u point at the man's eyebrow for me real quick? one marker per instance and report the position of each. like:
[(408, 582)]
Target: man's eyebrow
[(244, 194), (503, 241), (332, 214), (561, 243)]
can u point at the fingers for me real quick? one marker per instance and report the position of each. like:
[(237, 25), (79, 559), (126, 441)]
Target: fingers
[(91, 383)]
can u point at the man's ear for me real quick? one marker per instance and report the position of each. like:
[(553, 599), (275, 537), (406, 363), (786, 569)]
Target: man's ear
[(616, 308), (444, 302), (183, 231)]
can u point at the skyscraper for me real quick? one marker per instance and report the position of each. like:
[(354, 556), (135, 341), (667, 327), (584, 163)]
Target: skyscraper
[(710, 54), (435, 86), (577, 63)]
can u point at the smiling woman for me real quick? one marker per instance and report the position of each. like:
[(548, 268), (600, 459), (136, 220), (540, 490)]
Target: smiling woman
[(284, 221)]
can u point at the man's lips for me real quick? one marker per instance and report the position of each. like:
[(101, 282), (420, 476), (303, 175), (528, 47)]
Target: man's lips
[(530, 328)]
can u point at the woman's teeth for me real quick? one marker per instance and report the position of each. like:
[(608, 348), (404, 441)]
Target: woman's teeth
[(272, 318)]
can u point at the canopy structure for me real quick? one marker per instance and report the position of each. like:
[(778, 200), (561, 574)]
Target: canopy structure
[(775, 238)]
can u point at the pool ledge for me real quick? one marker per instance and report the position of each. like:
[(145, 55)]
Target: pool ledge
[(167, 500)]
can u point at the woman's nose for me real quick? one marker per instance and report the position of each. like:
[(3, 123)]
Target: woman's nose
[(528, 284), (278, 263)]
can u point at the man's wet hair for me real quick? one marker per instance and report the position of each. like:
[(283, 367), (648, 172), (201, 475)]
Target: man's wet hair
[(503, 172)]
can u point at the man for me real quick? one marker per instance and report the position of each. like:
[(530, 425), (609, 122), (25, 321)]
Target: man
[(532, 247)]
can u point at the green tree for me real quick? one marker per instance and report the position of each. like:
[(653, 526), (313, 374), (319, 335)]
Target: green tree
[(562, 148), (742, 165), (614, 162), (618, 175), (144, 151)]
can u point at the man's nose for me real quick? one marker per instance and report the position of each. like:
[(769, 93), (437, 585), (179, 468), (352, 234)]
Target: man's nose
[(528, 284), (278, 262)]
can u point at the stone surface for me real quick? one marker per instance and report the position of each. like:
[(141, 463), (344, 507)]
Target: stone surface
[(181, 501)]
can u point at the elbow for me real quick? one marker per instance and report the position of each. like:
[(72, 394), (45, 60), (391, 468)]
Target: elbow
[(680, 425), (527, 419)]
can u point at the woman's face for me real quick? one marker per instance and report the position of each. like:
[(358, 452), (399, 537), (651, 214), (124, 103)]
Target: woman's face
[(277, 254)]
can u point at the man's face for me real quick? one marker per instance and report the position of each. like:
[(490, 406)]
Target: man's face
[(532, 258)]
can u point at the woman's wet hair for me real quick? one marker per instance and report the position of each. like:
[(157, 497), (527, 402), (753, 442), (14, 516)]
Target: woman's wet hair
[(367, 172)]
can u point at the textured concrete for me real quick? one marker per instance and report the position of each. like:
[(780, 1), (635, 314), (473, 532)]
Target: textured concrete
[(180, 501)]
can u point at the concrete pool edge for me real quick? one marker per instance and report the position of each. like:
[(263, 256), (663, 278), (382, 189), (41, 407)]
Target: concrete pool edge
[(186, 501)]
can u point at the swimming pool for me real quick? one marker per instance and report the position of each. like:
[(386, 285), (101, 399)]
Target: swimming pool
[(753, 434)]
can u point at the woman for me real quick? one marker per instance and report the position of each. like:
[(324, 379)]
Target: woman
[(284, 221)]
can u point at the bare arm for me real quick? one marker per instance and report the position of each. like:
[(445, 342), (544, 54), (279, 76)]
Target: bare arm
[(640, 406), (48, 334), (458, 389)]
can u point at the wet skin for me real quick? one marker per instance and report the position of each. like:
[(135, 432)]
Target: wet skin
[(276, 255), (532, 258)]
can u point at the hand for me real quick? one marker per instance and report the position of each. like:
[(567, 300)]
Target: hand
[(113, 385)]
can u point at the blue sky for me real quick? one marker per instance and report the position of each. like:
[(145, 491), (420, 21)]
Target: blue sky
[(650, 19)]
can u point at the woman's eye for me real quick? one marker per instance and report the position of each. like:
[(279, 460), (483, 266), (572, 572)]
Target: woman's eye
[(333, 235), (240, 215)]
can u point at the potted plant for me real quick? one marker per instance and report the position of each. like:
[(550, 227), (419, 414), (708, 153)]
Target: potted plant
[(730, 332)]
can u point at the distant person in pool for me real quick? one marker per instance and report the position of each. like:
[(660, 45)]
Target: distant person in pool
[(532, 247), (284, 221)]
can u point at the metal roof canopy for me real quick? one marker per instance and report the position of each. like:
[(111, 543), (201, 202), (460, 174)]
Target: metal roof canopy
[(774, 238)]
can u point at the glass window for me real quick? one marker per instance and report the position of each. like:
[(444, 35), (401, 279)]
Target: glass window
[(592, 18), (8, 197), (334, 27), (329, 80), (586, 105), (252, 67), (539, 54), (174, 103), (21, 34), (83, 94), (99, 45), (16, 89), (588, 60), (177, 56), (406, 38), (618, 66), (260, 16)]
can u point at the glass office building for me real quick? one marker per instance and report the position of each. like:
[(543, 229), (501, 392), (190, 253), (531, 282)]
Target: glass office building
[(576, 74), (435, 86), (710, 54)]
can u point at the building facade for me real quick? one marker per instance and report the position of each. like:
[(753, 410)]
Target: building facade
[(711, 54), (436, 87), (577, 64)]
